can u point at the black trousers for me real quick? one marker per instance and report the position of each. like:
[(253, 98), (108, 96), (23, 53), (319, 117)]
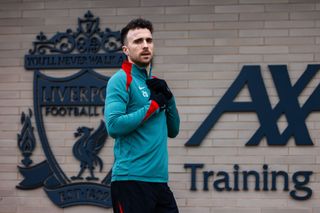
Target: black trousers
[(142, 197)]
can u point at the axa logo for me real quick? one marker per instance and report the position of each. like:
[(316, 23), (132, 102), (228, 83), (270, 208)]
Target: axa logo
[(268, 116)]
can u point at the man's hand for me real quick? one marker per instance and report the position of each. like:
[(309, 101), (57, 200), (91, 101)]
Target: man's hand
[(160, 99), (159, 86)]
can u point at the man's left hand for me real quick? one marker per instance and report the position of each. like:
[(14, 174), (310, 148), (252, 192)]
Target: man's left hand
[(159, 86)]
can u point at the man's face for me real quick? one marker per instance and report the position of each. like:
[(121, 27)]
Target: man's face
[(139, 47)]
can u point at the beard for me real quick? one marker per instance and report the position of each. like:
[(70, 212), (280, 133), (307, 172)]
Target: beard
[(142, 60)]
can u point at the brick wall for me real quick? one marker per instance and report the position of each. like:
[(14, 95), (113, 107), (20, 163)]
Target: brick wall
[(201, 46)]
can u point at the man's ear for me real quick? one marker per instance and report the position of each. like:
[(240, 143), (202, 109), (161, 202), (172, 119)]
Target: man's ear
[(125, 50)]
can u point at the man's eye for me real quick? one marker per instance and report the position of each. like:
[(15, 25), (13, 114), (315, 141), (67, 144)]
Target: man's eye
[(138, 41), (149, 40)]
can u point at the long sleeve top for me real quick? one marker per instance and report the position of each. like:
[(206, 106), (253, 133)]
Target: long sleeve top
[(139, 127)]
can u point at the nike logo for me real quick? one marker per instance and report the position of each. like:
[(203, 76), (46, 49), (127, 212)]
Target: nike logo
[(140, 88)]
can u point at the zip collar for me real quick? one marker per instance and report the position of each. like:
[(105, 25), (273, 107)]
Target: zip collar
[(135, 70)]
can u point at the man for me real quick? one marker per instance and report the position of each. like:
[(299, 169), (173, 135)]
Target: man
[(140, 114)]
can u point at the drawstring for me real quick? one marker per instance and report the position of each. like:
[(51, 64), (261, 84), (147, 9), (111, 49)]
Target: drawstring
[(150, 71)]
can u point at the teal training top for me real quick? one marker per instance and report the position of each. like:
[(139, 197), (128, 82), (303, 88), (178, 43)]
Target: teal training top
[(139, 127)]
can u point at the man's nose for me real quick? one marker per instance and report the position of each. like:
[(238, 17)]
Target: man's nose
[(144, 44)]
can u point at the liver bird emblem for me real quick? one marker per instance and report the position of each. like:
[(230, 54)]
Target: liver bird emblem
[(87, 148)]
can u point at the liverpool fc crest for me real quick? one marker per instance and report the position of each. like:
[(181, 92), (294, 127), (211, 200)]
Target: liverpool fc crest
[(78, 97)]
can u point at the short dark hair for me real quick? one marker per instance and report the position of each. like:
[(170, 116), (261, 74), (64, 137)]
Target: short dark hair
[(138, 23)]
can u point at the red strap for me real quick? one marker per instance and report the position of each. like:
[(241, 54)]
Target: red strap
[(127, 66)]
